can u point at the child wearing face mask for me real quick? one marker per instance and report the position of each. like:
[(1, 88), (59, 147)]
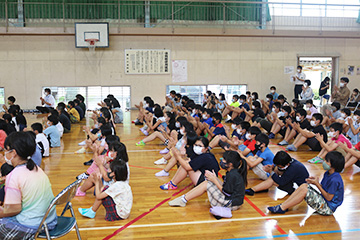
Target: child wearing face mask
[(354, 128), (307, 92), (262, 162), (336, 137), (310, 109), (280, 122), (229, 193), (344, 119), (270, 119), (267, 104), (331, 189), (240, 111), (51, 132), (217, 129), (273, 92), (309, 137), (248, 147), (205, 123), (284, 174), (255, 113)]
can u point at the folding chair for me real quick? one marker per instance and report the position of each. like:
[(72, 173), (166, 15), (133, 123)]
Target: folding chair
[(64, 224)]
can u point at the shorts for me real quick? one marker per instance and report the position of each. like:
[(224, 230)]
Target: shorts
[(314, 144), (201, 179), (316, 201), (340, 150), (110, 207), (282, 132), (265, 124), (260, 172), (217, 197)]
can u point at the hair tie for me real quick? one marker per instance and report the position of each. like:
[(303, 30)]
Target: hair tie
[(29, 157)]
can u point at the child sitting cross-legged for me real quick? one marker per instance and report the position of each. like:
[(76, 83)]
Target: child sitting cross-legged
[(117, 197), (331, 189)]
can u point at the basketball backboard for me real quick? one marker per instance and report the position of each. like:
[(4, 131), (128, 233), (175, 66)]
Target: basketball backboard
[(96, 34)]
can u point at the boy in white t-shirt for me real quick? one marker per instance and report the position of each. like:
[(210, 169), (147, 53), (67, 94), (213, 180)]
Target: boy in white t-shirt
[(41, 139), (117, 198)]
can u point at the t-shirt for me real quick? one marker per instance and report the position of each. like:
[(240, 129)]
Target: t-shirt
[(83, 106), (219, 130), (119, 118), (80, 111), (3, 136), (75, 113), (247, 107), (209, 122), (295, 173), (41, 138), (322, 92), (354, 139), (343, 139), (305, 125), (31, 189), (337, 114), (49, 99), (60, 127), (205, 161), (250, 144), (121, 193), (275, 95), (54, 136), (65, 121), (333, 184), (320, 129), (235, 104), (36, 157), (258, 112), (267, 156), (234, 187), (301, 76), (312, 111)]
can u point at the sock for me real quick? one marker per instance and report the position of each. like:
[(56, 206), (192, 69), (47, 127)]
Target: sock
[(209, 148), (165, 170), (183, 198), (173, 184), (166, 142), (251, 191)]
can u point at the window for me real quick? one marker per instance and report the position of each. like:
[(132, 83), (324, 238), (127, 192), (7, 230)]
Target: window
[(2, 95), (197, 92), (93, 95)]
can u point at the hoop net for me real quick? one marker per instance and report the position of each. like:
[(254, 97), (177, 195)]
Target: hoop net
[(92, 44)]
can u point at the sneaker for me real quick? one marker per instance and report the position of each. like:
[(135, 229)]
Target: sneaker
[(229, 121), (316, 160), (177, 202), (161, 161), (83, 143), (168, 186), (271, 136), (139, 123), (277, 209), (88, 163), (87, 212), (162, 173), (82, 176), (81, 150), (164, 151), (141, 143), (79, 193), (135, 121), (144, 131), (283, 143), (249, 192), (291, 148)]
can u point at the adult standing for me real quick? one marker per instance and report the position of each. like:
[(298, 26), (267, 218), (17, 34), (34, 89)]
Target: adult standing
[(48, 102), (298, 79), (341, 94)]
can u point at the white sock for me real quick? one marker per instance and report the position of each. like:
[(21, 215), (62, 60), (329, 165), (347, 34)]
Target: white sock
[(183, 198)]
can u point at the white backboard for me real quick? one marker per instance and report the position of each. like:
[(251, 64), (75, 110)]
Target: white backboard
[(89, 30)]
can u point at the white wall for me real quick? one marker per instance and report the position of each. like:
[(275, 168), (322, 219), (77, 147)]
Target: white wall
[(27, 63)]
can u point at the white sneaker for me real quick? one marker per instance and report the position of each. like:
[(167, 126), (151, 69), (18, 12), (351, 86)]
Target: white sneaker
[(83, 143), (161, 161), (83, 176), (81, 150), (162, 173)]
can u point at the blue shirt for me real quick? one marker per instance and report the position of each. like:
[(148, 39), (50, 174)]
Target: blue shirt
[(53, 135), (36, 157), (267, 156), (219, 130), (80, 111), (275, 95), (247, 107), (354, 138), (333, 184), (209, 122)]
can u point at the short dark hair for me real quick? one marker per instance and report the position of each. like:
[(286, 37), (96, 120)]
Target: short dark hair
[(173, 92), (242, 97), (255, 94), (76, 101), (254, 130), (310, 101), (277, 105), (120, 170), (106, 130), (337, 126), (336, 105), (11, 99), (217, 116), (357, 112), (54, 119), (336, 160), (273, 87), (71, 103), (238, 120), (346, 111), (308, 82), (318, 116), (204, 140), (262, 138), (245, 125), (302, 112), (300, 67), (47, 90), (282, 158), (256, 104), (286, 109), (344, 79), (37, 127), (236, 97), (270, 96)]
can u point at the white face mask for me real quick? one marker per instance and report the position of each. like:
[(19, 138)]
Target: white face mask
[(182, 131), (313, 123), (331, 134), (144, 102), (253, 107), (305, 85), (343, 115), (48, 123), (204, 116), (111, 155), (247, 136), (146, 105), (280, 114), (293, 104), (238, 131), (241, 101), (298, 70), (253, 97), (233, 126), (198, 150), (177, 125), (342, 84), (355, 118), (194, 111), (272, 91), (298, 119), (268, 99), (8, 161), (273, 109), (234, 100)]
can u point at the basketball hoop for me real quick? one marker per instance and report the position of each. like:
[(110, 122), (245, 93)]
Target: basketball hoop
[(92, 44)]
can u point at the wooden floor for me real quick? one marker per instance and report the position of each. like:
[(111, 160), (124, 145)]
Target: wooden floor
[(151, 217)]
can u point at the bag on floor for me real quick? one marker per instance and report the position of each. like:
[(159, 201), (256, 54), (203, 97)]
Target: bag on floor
[(221, 212)]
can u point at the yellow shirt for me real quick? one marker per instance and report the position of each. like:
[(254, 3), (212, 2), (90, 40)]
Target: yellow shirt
[(75, 113)]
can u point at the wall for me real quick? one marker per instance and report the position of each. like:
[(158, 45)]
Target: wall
[(28, 62)]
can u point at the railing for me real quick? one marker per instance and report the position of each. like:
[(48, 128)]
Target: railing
[(175, 14)]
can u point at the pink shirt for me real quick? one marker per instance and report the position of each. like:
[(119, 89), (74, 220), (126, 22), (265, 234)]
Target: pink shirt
[(3, 136), (312, 111), (343, 139)]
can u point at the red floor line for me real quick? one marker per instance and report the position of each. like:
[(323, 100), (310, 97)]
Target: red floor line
[(264, 215), (282, 147), (144, 214), (150, 168)]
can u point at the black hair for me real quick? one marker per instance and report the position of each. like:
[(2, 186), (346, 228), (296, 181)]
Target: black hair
[(254, 130), (120, 170), (282, 158), (270, 96), (191, 137), (256, 104), (299, 67), (336, 160), (105, 113), (222, 96), (344, 79), (181, 120), (346, 111), (204, 140), (60, 108), (76, 101), (6, 169), (277, 105), (173, 92), (356, 90), (188, 126), (111, 139), (217, 116), (8, 118), (286, 109), (318, 116), (37, 127), (12, 111), (245, 125), (248, 93), (236, 97), (106, 130), (71, 103), (302, 112), (336, 105), (62, 104), (309, 101), (308, 82), (238, 120), (47, 90), (357, 112), (101, 120), (24, 144), (337, 127), (54, 119), (54, 112), (242, 97), (120, 149), (158, 112), (262, 138), (3, 125), (282, 97), (80, 97), (238, 163), (146, 98), (11, 99), (255, 94), (209, 111), (273, 87)]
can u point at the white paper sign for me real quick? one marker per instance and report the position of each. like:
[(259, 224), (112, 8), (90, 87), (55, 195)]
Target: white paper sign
[(179, 71), (147, 61), (289, 70)]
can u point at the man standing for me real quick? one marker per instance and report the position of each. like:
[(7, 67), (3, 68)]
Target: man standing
[(298, 79), (341, 94)]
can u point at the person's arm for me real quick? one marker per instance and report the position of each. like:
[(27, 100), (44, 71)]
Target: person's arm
[(212, 177), (344, 95), (101, 167), (98, 185), (183, 163), (329, 146), (306, 133), (10, 210), (315, 181), (353, 129)]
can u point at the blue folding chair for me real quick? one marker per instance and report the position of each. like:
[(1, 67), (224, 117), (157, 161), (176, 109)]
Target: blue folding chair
[(64, 224)]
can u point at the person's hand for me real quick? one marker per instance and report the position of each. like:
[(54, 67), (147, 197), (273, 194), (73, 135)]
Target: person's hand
[(319, 137), (161, 128), (288, 121), (98, 161), (210, 176), (342, 145), (268, 168), (312, 180), (41, 98), (296, 126), (350, 121)]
